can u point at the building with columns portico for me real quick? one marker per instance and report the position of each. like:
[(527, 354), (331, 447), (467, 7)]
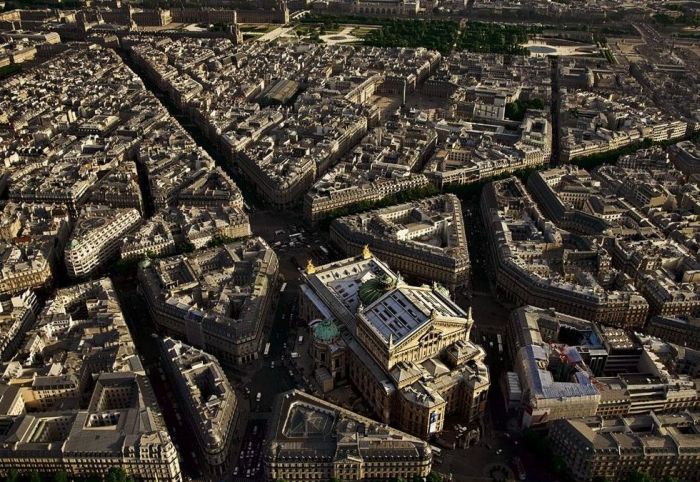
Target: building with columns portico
[(405, 348)]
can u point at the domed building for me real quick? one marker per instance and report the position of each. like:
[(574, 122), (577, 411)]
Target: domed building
[(328, 353), (405, 348), (374, 288)]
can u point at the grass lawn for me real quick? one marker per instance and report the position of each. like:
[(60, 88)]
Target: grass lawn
[(302, 30), (361, 32), (8, 70), (259, 28)]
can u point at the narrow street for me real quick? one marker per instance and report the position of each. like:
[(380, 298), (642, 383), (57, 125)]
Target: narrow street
[(261, 376), (248, 191), (142, 330), (556, 108)]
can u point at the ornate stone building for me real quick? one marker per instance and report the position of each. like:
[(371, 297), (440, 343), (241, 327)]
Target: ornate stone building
[(91, 408), (208, 400), (217, 299), (406, 348), (311, 439), (659, 445)]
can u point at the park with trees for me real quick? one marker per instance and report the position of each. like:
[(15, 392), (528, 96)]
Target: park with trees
[(115, 474)]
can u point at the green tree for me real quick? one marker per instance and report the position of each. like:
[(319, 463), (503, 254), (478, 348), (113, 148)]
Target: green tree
[(186, 247), (639, 477), (117, 474), (12, 476), (219, 240), (60, 476), (433, 34), (611, 157), (558, 465), (434, 477), (35, 477), (516, 110)]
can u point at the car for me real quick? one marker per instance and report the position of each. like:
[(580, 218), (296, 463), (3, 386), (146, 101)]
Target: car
[(499, 451), (258, 397), (272, 364)]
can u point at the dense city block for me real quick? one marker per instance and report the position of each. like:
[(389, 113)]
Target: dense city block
[(349, 240)]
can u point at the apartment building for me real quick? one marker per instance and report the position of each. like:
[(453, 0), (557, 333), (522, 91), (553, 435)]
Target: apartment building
[(97, 237), (425, 239), (311, 439), (656, 444), (524, 245), (208, 400), (93, 408), (218, 299)]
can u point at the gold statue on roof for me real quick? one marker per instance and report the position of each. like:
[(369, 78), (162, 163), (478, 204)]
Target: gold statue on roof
[(366, 253), (310, 268)]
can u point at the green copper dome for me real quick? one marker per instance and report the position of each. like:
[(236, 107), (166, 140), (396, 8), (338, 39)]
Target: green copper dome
[(371, 290), (326, 331)]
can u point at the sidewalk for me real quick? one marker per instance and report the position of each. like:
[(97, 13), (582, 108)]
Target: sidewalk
[(274, 34)]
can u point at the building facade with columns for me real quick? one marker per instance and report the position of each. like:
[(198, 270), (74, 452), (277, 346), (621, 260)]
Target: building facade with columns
[(406, 348), (311, 439)]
